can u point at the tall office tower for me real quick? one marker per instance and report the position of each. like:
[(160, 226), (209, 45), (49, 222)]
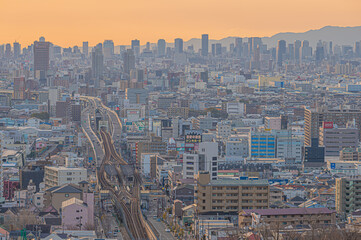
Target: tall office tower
[(358, 49), (161, 47), (257, 42), (19, 88), (2, 51), (85, 48), (297, 50), (147, 46), (41, 58), (250, 47), (291, 52), (281, 51), (205, 41), (136, 47), (218, 49), (97, 64), (17, 49), (306, 50), (320, 52), (254, 42), (178, 45), (330, 49), (238, 47), (8, 52), (128, 61), (108, 49), (213, 50)]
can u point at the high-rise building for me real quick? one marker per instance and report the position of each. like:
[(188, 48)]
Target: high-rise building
[(348, 195), (205, 41), (2, 51), (335, 139), (281, 51), (85, 48), (97, 64), (314, 120), (17, 49), (136, 47), (128, 61), (358, 49), (306, 50), (19, 88), (320, 52), (297, 47), (8, 52), (161, 47), (178, 45), (238, 47), (314, 156), (291, 52), (41, 58), (108, 49)]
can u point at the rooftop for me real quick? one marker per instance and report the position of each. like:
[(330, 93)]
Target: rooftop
[(288, 211), (238, 182)]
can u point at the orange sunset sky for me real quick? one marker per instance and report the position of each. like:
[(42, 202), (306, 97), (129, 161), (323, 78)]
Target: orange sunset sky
[(69, 22)]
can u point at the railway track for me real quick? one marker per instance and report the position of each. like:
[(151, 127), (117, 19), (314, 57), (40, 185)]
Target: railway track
[(131, 210)]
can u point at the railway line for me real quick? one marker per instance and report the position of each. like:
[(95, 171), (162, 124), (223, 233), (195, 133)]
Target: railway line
[(125, 200)]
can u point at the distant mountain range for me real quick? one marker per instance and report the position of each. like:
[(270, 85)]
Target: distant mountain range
[(338, 35)]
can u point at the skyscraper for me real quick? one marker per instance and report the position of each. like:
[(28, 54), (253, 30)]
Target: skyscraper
[(161, 47), (297, 50), (291, 51), (281, 51), (17, 49), (136, 47), (178, 45), (238, 47), (8, 52), (205, 41), (2, 51), (128, 61), (41, 58), (306, 50), (85, 48), (108, 49), (320, 53), (97, 64), (358, 49)]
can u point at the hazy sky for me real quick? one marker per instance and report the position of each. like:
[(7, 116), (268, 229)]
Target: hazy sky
[(69, 22)]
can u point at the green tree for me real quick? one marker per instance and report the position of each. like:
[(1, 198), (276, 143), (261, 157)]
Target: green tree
[(43, 116)]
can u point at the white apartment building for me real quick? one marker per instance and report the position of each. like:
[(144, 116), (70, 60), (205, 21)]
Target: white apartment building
[(235, 108), (237, 148), (205, 160), (57, 176)]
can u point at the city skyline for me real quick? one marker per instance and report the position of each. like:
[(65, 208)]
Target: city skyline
[(150, 21)]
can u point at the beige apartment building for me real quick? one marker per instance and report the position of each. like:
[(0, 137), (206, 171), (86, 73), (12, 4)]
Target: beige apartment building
[(57, 176), (286, 216), (230, 195)]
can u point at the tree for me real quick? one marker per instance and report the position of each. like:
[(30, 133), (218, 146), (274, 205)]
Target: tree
[(43, 116)]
